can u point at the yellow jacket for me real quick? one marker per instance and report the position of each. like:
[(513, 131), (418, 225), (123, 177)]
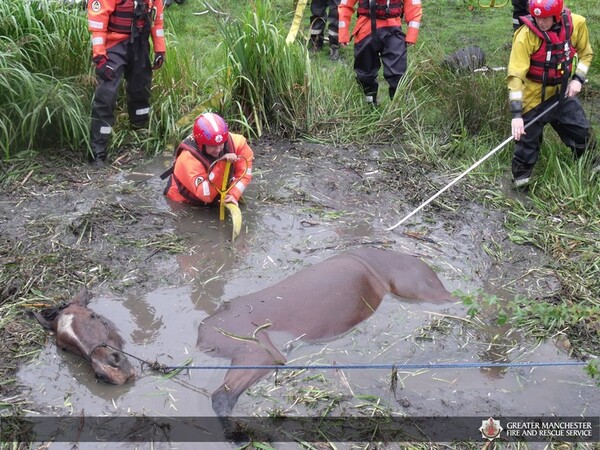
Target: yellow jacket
[(525, 43)]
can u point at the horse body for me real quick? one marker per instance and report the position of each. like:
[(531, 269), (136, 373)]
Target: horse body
[(317, 303), (81, 331)]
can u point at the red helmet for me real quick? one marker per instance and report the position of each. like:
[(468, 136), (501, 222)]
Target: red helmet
[(546, 8), (210, 129)]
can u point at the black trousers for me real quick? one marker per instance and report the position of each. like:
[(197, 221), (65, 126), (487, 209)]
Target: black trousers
[(320, 17), (520, 8), (130, 60), (568, 120), (389, 49)]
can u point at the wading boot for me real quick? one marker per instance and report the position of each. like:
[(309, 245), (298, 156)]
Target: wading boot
[(334, 52)]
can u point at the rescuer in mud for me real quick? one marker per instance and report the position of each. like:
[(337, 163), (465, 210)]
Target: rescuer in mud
[(379, 39), (540, 73), (200, 161), (121, 31)]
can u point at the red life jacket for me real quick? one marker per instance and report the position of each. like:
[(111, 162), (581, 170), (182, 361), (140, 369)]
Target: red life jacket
[(552, 63), (126, 11), (190, 145), (384, 9)]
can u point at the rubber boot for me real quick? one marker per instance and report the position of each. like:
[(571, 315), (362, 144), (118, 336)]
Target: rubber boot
[(334, 52), (521, 174)]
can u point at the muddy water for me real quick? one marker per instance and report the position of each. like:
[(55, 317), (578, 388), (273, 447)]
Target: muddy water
[(279, 238)]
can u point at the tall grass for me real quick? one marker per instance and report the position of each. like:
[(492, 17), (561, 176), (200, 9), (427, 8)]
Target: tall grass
[(269, 80), (42, 96)]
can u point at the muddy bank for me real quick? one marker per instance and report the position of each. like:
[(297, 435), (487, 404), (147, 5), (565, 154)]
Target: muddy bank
[(157, 269)]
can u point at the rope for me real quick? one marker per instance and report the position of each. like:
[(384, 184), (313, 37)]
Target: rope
[(381, 366)]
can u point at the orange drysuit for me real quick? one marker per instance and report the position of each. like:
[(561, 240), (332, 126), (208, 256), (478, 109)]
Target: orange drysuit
[(110, 22), (191, 180)]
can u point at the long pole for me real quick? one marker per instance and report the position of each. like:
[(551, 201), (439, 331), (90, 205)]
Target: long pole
[(473, 166)]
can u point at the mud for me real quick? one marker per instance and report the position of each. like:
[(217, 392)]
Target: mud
[(157, 269)]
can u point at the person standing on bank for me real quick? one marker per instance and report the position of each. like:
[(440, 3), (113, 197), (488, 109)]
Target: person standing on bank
[(323, 12), (120, 32), (200, 160), (539, 74), (378, 38)]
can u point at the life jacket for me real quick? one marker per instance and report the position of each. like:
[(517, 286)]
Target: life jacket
[(130, 12), (552, 63), (384, 9), (206, 160)]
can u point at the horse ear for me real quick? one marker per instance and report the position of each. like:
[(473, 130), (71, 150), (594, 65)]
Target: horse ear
[(47, 324), (83, 297)]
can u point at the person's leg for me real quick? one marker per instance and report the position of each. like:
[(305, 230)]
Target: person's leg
[(333, 19), (393, 56), (138, 75), (103, 105), (366, 67), (520, 8), (527, 150), (572, 126), (318, 18)]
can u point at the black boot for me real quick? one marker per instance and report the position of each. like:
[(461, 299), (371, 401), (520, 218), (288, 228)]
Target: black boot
[(521, 173), (334, 52)]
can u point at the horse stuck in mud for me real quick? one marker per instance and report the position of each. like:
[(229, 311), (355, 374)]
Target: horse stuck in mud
[(315, 304), (318, 303), (81, 331)]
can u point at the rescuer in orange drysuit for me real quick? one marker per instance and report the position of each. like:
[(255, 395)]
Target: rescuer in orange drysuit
[(197, 174), (378, 38), (120, 45)]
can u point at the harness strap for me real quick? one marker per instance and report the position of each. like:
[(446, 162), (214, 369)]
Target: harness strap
[(373, 14), (567, 60)]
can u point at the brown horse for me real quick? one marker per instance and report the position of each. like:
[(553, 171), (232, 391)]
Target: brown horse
[(317, 303), (81, 331)]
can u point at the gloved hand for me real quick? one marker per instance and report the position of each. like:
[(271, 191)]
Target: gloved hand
[(159, 59), (103, 69)]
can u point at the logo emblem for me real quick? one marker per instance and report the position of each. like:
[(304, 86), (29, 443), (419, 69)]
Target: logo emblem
[(490, 429), (96, 6), (537, 12), (219, 138)]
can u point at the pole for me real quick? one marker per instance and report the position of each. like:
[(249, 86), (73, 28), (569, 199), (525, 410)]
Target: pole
[(476, 164)]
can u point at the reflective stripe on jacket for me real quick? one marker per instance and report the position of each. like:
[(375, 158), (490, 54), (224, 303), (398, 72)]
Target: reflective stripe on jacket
[(110, 22)]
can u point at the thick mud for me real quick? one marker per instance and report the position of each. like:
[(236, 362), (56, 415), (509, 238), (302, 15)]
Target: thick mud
[(157, 269)]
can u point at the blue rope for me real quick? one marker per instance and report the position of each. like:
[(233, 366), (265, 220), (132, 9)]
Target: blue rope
[(382, 366)]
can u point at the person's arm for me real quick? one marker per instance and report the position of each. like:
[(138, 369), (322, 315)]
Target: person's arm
[(157, 29), (581, 42), (413, 13), (345, 12), (98, 15), (242, 169), (518, 66)]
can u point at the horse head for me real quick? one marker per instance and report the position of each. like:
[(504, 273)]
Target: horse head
[(81, 331)]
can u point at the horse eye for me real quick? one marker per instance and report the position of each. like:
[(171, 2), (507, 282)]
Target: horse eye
[(101, 377), (93, 315)]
